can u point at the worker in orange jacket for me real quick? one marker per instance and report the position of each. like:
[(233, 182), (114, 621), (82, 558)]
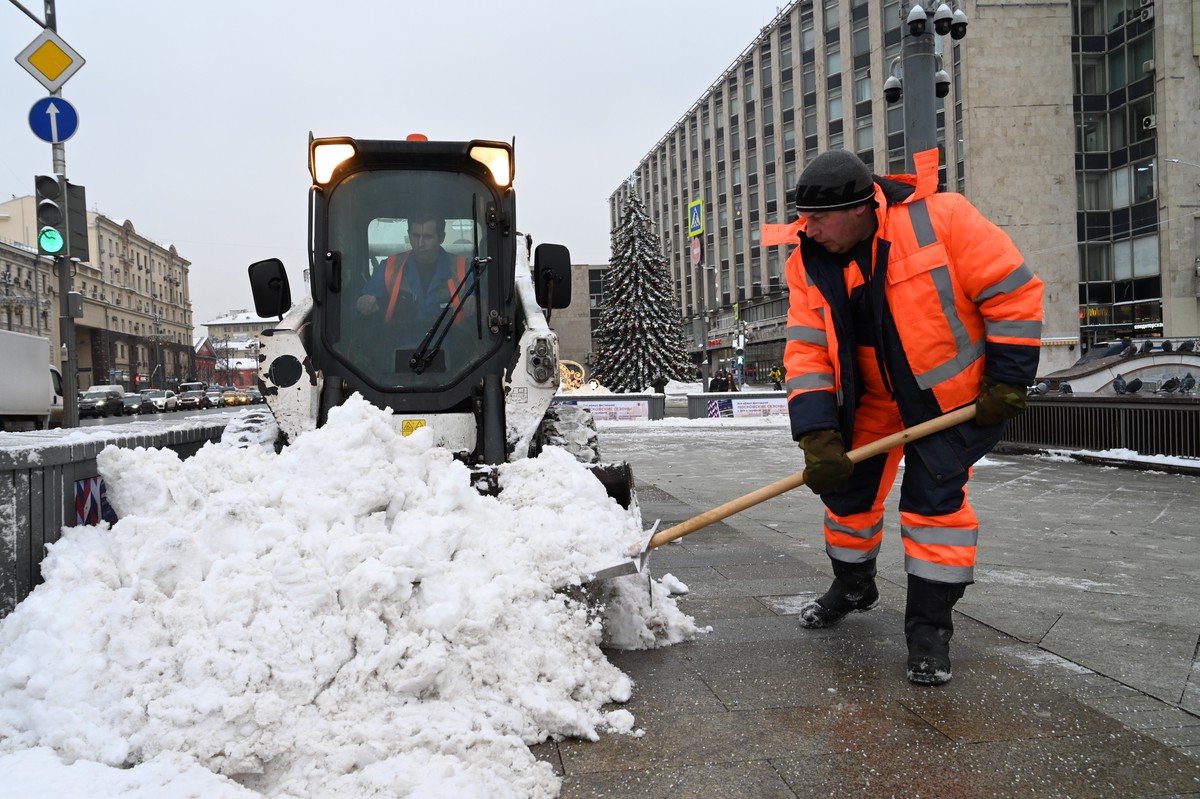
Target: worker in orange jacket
[(905, 304)]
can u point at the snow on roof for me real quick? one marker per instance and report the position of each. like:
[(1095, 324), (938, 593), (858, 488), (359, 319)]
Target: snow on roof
[(241, 317)]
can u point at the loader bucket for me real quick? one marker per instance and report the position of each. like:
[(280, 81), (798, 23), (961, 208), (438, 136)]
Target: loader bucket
[(617, 479)]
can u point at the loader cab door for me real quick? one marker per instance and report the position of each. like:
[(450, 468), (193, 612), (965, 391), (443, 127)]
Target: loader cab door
[(409, 280)]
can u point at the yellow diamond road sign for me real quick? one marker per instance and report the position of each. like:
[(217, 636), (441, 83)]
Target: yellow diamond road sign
[(50, 60)]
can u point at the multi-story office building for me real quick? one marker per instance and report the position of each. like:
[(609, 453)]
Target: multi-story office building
[(1068, 124), (136, 328)]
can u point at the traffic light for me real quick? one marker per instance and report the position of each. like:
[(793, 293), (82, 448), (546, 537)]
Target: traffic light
[(741, 355), (51, 214), (77, 230)]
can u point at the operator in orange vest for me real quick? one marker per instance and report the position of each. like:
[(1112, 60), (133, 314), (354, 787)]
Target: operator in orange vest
[(417, 283), (905, 304)]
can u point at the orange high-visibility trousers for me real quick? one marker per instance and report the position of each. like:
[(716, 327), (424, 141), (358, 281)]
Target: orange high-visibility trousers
[(938, 527)]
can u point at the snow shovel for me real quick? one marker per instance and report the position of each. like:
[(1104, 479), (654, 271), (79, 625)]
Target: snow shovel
[(637, 562)]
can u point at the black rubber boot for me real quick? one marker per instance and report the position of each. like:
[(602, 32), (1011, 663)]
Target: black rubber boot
[(853, 591), (928, 628)]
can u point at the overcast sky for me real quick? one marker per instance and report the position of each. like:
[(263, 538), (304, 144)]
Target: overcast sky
[(194, 118)]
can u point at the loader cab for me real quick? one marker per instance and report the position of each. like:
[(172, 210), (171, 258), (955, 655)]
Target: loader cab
[(412, 250)]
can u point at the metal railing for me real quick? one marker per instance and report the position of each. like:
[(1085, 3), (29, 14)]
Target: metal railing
[(49, 480), (1147, 425)]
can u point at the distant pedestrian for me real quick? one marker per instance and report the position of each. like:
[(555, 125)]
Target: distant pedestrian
[(776, 375), (718, 382), (905, 303)]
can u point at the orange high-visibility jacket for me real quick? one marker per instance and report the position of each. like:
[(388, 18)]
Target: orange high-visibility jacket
[(947, 283), (394, 274)]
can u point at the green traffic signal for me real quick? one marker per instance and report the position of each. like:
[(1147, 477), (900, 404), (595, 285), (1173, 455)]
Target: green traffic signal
[(50, 241), (51, 215)]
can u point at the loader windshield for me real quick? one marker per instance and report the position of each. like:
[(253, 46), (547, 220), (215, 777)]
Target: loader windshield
[(416, 276)]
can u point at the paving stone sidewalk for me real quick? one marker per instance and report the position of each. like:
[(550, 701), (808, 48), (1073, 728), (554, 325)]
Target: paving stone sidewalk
[(1073, 675)]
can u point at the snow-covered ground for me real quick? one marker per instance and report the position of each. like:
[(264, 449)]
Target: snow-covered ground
[(348, 618)]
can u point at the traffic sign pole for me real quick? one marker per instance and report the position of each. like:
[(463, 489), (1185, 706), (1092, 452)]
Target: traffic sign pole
[(70, 372), (51, 61)]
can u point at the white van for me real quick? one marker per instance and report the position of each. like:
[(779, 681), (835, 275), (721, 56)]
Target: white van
[(31, 388)]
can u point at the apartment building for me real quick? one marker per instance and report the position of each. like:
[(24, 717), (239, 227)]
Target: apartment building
[(136, 328), (1068, 124)]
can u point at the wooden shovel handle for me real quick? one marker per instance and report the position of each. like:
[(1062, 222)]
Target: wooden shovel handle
[(963, 414)]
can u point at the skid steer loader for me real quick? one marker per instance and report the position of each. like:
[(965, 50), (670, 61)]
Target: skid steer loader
[(474, 359)]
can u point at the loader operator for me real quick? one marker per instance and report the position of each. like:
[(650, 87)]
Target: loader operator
[(905, 304), (417, 283)]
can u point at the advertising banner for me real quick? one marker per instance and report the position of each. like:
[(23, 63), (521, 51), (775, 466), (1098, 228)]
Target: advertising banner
[(613, 410)]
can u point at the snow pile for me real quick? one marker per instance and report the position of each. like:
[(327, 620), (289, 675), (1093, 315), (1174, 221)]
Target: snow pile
[(347, 618)]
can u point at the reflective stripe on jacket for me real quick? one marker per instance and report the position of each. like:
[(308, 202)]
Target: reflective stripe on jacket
[(963, 301)]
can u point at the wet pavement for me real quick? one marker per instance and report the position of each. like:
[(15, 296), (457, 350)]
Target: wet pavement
[(1075, 653)]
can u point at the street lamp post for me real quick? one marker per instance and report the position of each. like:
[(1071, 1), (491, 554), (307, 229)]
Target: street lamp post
[(924, 78), (157, 338), (706, 309)]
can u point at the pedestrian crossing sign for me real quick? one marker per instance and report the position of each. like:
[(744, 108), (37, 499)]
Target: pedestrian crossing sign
[(696, 218)]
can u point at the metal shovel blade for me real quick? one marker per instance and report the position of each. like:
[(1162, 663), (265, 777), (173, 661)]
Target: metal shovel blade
[(635, 565)]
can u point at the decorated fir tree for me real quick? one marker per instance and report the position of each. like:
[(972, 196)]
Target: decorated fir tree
[(640, 336)]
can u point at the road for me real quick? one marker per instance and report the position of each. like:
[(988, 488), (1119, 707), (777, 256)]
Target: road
[(152, 418)]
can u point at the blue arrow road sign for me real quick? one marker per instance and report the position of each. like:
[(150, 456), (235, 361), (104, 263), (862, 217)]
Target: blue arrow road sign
[(53, 119)]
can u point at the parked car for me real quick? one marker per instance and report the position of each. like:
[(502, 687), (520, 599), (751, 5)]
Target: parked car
[(136, 403), (102, 401), (164, 399), (194, 400)]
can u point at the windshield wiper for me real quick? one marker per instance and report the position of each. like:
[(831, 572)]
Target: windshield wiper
[(428, 348)]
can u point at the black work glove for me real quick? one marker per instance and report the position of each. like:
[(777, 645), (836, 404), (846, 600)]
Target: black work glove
[(998, 402), (825, 463)]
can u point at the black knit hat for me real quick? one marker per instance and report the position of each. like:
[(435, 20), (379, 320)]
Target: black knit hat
[(834, 180)]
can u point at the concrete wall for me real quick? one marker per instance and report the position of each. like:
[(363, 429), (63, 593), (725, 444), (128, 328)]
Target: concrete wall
[(1020, 148)]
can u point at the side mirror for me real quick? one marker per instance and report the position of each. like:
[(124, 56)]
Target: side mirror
[(552, 275), (270, 287)]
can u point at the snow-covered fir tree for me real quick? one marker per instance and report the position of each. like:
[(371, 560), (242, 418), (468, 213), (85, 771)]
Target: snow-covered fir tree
[(640, 336)]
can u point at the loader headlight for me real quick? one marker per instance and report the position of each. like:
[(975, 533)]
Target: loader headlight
[(325, 155), (498, 158)]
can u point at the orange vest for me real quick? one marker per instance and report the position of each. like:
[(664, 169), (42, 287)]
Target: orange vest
[(393, 276)]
